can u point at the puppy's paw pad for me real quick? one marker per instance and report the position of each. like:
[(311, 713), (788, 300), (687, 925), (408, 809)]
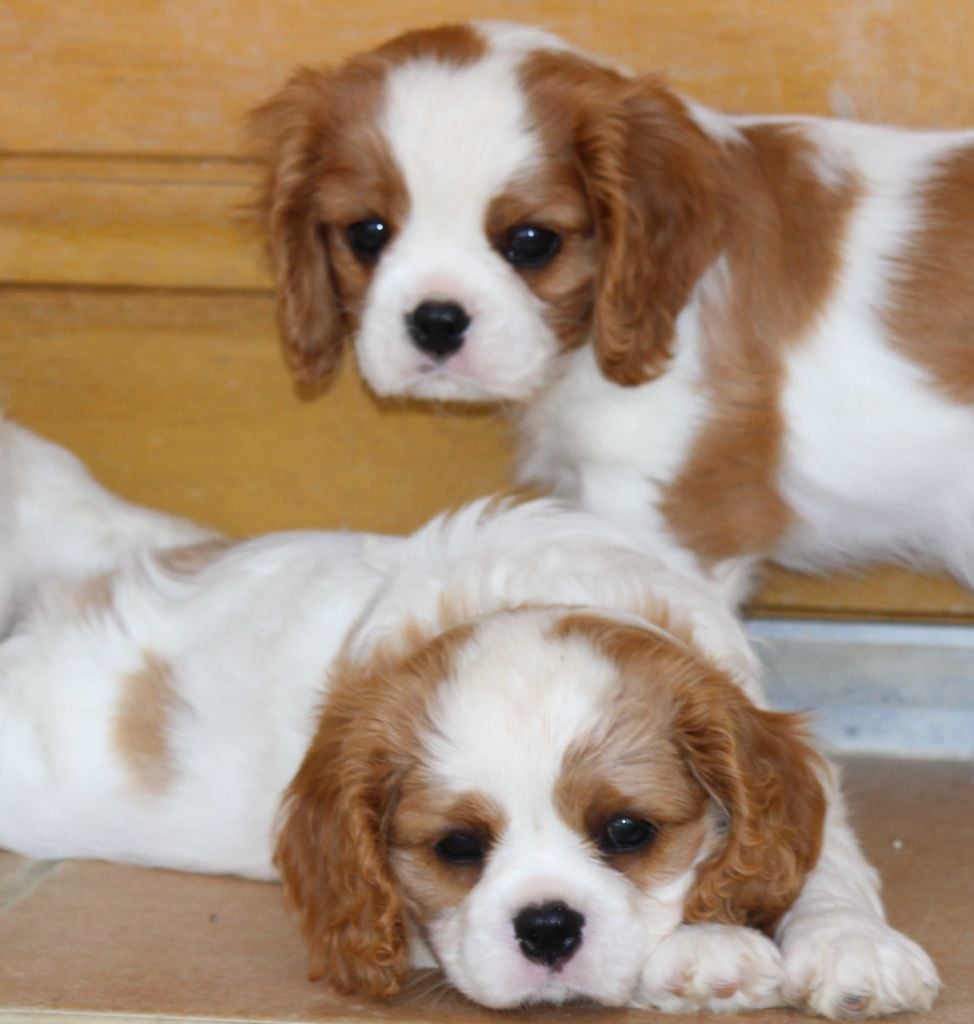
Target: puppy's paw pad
[(713, 967), (849, 967)]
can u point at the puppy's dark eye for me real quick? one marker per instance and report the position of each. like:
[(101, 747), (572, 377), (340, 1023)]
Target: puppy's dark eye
[(528, 247), (624, 834), (368, 238), (460, 848)]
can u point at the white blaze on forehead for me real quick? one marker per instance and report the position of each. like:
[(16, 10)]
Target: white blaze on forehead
[(459, 135), (517, 700)]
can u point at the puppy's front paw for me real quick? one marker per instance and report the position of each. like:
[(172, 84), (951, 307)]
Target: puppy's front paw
[(712, 967), (849, 965)]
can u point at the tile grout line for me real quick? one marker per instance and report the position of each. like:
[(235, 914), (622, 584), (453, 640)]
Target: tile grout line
[(24, 881), (49, 1016)]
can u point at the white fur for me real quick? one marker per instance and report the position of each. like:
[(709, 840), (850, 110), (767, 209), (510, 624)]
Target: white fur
[(442, 253), (247, 642)]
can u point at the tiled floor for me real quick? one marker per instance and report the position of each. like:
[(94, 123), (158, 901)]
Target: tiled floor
[(80, 941)]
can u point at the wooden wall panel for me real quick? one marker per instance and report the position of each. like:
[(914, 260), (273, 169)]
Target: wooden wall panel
[(135, 310), (137, 223), (175, 77), (179, 400)]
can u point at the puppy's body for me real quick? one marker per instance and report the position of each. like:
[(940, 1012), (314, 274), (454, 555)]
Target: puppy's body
[(511, 739), (741, 337)]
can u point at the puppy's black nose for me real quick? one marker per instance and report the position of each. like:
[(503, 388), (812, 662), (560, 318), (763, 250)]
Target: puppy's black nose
[(549, 934), (438, 327)]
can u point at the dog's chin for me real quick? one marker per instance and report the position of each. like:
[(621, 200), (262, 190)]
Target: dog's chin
[(441, 384), (553, 990)]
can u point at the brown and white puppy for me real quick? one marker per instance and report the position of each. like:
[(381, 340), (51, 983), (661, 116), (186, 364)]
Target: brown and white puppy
[(740, 337), (512, 742)]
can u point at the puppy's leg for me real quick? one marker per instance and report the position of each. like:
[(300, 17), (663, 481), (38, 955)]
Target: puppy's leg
[(713, 967), (56, 521), (841, 958)]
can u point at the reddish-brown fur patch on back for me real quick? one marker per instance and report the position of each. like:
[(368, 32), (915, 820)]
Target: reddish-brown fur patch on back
[(140, 730), (783, 228), (931, 308)]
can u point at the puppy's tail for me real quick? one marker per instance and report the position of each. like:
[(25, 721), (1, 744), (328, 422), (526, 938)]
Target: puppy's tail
[(57, 522)]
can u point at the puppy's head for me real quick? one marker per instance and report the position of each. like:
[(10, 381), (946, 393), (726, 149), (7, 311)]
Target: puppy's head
[(470, 202), (541, 796)]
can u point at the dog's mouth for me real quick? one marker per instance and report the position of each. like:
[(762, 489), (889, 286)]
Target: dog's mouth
[(447, 383)]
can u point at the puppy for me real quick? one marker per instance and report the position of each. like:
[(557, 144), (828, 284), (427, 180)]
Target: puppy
[(743, 338), (511, 745)]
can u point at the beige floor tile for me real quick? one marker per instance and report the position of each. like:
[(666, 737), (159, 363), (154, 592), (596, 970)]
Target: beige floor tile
[(104, 939), (10, 864)]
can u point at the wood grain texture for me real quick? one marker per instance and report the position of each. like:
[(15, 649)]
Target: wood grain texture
[(121, 221), (180, 401), (176, 78)]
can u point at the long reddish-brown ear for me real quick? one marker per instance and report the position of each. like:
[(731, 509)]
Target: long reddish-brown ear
[(291, 131), (650, 174), (333, 845), (761, 771), (332, 859)]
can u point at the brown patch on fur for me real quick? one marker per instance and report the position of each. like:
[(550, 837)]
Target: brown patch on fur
[(756, 767), (328, 166), (931, 312), (782, 233), (189, 559), (455, 45), (333, 848), (423, 817), (647, 175), (141, 725), (95, 595)]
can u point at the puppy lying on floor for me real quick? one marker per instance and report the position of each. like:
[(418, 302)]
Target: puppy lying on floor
[(510, 740)]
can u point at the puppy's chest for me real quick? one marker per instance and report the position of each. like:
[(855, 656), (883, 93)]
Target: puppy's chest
[(667, 460), (583, 427)]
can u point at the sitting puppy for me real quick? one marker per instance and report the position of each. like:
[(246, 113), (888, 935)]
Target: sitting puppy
[(511, 740), (740, 337)]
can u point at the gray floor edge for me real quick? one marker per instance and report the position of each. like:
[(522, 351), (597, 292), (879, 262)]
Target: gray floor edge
[(890, 689)]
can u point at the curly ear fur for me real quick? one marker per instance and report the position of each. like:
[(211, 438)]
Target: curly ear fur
[(332, 859), (759, 768), (649, 172), (292, 130), (650, 177), (332, 847)]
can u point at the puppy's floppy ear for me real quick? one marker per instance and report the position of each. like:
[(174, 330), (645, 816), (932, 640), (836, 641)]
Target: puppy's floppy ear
[(760, 769), (649, 171), (332, 848), (291, 131), (332, 858), (650, 176)]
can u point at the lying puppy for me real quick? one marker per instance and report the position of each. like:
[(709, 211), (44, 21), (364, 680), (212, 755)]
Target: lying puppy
[(741, 337), (511, 740)]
